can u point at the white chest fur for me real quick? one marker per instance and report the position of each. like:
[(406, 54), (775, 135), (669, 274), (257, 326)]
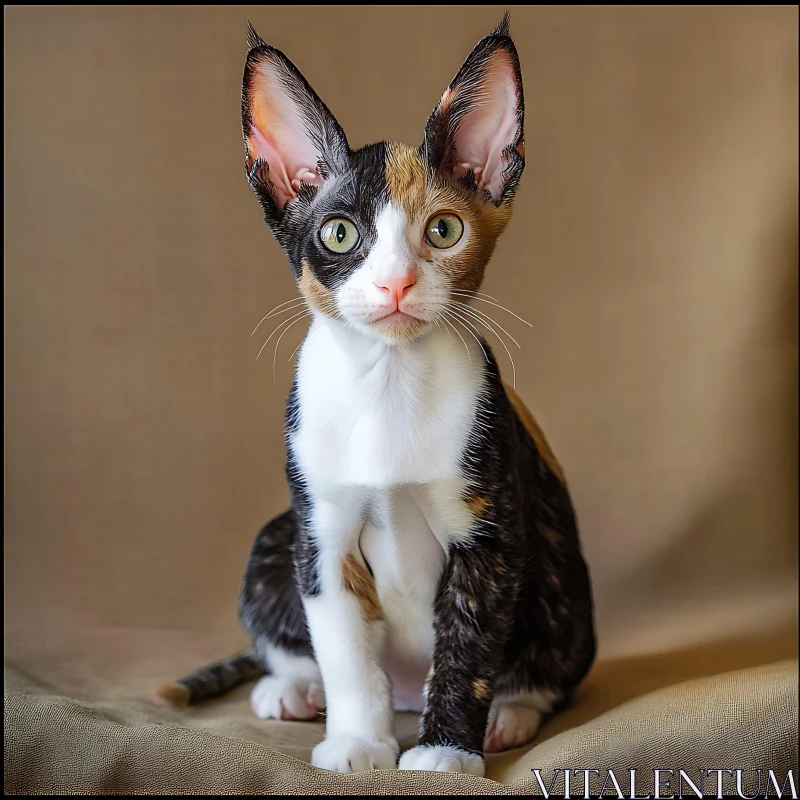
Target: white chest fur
[(407, 559), (377, 415), (382, 429)]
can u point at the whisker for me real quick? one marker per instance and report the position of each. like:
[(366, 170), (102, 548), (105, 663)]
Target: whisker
[(278, 344), (474, 311), (472, 293), (465, 294), (475, 335), (505, 347), (436, 322), (297, 348), (447, 322), (280, 325), (270, 313), (288, 308)]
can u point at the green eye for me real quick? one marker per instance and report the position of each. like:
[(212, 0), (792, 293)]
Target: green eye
[(339, 235), (444, 230)]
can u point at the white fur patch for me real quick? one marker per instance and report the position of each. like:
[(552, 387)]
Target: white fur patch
[(282, 663), (376, 415), (442, 758), (292, 690), (343, 753), (407, 560), (348, 649), (278, 697), (515, 719)]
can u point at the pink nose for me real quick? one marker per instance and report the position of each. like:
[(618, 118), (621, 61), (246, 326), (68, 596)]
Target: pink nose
[(397, 287)]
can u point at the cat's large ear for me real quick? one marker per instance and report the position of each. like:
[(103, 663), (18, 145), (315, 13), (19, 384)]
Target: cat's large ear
[(476, 130), (291, 138)]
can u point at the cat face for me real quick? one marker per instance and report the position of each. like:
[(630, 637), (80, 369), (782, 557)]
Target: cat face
[(382, 237)]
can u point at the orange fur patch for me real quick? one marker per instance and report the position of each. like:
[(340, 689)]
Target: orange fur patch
[(551, 536), (447, 99), (536, 433), (477, 504), (315, 294), (421, 193), (172, 694), (481, 690), (360, 583)]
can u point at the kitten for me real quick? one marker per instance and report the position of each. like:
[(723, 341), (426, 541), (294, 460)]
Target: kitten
[(430, 559)]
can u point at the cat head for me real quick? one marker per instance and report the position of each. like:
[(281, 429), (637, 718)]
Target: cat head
[(382, 237)]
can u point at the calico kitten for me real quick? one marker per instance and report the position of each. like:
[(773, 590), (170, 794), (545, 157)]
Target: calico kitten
[(430, 559)]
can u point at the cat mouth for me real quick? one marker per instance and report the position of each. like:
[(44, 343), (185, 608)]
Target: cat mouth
[(398, 317), (397, 326)]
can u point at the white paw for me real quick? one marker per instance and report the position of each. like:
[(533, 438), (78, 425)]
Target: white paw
[(510, 725), (442, 758), (343, 753), (278, 697)]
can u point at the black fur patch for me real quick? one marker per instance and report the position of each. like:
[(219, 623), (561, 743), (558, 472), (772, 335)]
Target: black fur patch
[(359, 196), (270, 605)]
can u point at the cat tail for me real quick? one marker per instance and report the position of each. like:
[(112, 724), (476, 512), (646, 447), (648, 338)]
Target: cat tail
[(213, 680)]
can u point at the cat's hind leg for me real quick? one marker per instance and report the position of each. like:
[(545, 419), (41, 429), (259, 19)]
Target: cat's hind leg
[(272, 612), (515, 719)]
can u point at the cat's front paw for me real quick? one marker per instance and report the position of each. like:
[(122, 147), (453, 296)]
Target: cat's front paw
[(342, 753), (442, 758)]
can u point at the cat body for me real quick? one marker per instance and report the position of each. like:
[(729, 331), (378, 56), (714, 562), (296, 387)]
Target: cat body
[(430, 559), (384, 441)]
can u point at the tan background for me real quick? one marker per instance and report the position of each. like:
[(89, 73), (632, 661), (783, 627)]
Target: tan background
[(654, 248)]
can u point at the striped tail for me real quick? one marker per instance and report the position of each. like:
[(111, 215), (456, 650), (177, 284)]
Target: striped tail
[(213, 680)]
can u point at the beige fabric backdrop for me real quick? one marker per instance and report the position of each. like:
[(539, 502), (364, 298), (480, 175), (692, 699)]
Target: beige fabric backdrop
[(654, 248)]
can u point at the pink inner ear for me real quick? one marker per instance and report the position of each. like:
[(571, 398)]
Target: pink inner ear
[(278, 135), (489, 127)]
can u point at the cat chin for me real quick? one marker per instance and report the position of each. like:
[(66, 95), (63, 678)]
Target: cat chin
[(396, 331), (405, 331)]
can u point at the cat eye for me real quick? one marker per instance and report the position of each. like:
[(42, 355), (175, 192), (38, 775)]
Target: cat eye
[(339, 235), (444, 230)]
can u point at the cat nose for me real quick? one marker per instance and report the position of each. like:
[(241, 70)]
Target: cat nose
[(398, 286)]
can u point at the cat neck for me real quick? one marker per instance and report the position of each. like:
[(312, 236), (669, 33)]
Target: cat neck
[(380, 415), (439, 349)]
